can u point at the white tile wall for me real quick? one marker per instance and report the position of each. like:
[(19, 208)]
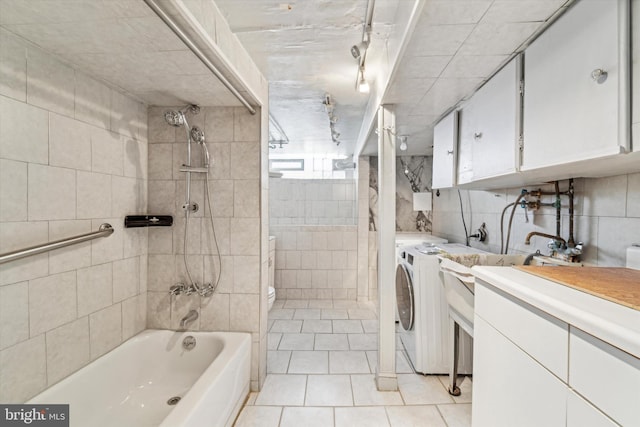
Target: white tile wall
[(233, 137), (607, 217), (73, 154), (313, 262), (312, 201)]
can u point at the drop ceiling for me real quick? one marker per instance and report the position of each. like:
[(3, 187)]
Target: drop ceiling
[(303, 50), (121, 42)]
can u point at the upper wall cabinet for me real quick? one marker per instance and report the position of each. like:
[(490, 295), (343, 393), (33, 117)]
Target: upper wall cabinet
[(445, 141), (635, 28), (577, 91), (490, 127)]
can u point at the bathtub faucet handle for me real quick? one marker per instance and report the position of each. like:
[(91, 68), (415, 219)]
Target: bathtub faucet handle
[(206, 290)]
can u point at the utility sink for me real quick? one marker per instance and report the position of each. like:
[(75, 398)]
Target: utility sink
[(458, 281)]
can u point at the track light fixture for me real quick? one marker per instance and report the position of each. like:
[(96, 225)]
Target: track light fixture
[(403, 142), (329, 107), (363, 85)]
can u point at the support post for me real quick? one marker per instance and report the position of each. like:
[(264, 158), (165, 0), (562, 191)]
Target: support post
[(386, 378)]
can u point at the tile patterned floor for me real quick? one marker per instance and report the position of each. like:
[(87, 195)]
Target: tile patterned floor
[(321, 363)]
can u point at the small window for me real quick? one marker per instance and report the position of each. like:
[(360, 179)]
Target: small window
[(281, 165)]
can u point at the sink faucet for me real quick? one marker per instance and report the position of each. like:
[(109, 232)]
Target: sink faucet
[(188, 319)]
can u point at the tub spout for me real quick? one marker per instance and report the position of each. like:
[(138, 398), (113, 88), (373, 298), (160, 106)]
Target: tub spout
[(188, 319)]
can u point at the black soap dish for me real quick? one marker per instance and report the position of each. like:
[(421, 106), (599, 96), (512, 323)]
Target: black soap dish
[(133, 221)]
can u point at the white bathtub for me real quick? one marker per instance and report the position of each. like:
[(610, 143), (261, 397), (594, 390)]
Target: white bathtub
[(130, 386)]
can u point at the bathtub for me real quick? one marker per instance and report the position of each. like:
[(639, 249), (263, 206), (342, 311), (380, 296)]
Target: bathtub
[(131, 385)]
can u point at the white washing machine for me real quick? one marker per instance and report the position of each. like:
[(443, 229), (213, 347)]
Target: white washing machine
[(422, 309)]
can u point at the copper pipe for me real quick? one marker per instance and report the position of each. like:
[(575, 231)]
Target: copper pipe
[(549, 236), (571, 243)]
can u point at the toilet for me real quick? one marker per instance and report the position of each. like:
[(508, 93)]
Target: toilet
[(271, 296)]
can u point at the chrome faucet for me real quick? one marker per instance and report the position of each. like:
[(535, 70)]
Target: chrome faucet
[(191, 317)]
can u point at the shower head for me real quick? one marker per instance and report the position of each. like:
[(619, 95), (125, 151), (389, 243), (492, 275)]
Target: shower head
[(174, 118), (197, 135)]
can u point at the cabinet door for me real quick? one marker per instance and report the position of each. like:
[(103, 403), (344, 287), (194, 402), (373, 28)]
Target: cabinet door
[(635, 28), (568, 114), (509, 387), (445, 138), (581, 413), (489, 126)]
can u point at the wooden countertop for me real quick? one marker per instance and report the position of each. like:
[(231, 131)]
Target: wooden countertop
[(616, 284)]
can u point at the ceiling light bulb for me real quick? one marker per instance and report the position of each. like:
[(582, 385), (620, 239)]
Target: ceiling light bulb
[(403, 144), (363, 86)]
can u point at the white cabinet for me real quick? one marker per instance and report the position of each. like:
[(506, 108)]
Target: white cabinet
[(531, 368), (570, 114), (490, 127), (509, 387), (445, 141), (635, 119)]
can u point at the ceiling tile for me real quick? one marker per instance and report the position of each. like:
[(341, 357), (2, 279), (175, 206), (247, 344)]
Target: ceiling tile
[(466, 66), (502, 11), (414, 67), (497, 39), (447, 12), (444, 94), (407, 90), (438, 39)]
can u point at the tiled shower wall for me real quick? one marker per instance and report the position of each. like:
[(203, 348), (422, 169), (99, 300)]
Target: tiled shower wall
[(312, 201), (233, 139), (607, 218), (73, 154), (316, 262)]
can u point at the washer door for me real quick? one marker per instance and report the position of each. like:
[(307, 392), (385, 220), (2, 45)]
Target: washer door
[(404, 297)]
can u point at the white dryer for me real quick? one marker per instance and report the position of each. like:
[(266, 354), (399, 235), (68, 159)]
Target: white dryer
[(422, 309)]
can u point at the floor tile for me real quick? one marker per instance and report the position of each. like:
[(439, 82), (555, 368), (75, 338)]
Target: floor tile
[(363, 341), (370, 326), (317, 326), (347, 327), (284, 390), (402, 364), (361, 314), (348, 362), (309, 362), (464, 384), (415, 416), (278, 361), (345, 304), (458, 415), (365, 392), (320, 303), (273, 340), (307, 417), (282, 313), (259, 416), (270, 323), (296, 342), (329, 390), (334, 313), (422, 390), (279, 303), (288, 326), (296, 303), (374, 416), (307, 313), (331, 342)]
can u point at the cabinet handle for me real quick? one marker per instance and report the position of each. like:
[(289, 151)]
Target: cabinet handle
[(450, 152), (477, 135), (599, 75)]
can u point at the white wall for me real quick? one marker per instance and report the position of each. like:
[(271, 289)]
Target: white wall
[(607, 217), (312, 201), (73, 154)]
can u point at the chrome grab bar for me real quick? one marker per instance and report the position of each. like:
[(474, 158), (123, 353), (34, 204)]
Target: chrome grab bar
[(104, 231)]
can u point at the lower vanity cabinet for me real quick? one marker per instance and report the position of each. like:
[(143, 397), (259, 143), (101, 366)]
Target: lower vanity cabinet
[(510, 388), (519, 382)]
